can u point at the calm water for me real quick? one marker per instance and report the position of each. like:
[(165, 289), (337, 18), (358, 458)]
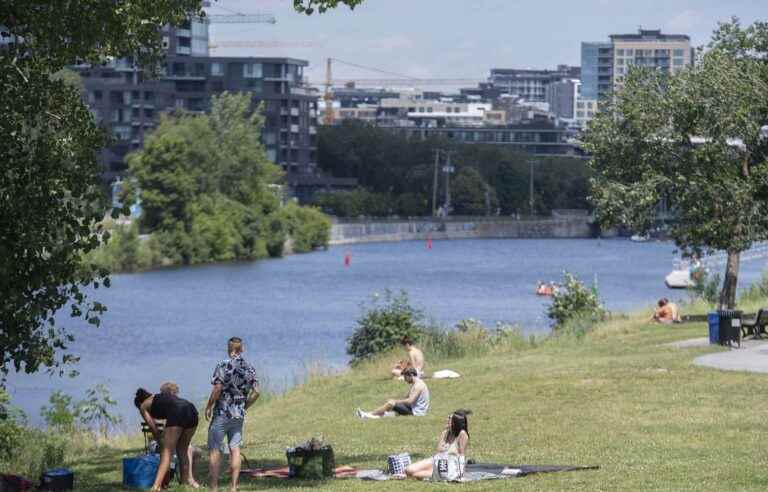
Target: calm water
[(173, 324)]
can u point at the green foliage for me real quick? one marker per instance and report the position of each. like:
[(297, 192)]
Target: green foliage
[(311, 6), (308, 227), (707, 288), (396, 175), (208, 190), (468, 193), (59, 415), (95, 411), (49, 188), (643, 153), (471, 339), (10, 430), (383, 324), (574, 300)]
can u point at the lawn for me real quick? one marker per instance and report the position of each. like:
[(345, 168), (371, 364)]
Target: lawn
[(618, 398)]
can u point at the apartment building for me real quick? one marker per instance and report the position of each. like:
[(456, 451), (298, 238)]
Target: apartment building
[(129, 102)]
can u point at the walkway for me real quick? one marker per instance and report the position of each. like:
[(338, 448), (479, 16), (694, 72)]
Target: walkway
[(751, 357)]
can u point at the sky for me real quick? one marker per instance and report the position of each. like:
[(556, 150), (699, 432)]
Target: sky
[(462, 38)]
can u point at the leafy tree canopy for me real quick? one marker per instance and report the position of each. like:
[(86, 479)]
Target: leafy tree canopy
[(311, 6), (693, 140)]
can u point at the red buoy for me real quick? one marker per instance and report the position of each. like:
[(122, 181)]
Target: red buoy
[(347, 259), (429, 242)]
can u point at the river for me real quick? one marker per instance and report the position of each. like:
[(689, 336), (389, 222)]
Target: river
[(298, 311)]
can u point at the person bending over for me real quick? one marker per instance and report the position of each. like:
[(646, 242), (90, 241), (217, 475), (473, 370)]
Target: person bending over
[(180, 425), (453, 442), (415, 359), (416, 403)]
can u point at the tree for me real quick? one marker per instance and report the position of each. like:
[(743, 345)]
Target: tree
[(471, 195), (49, 184), (309, 6), (693, 140), (205, 182)]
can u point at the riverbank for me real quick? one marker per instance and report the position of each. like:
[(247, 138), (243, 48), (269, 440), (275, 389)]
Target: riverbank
[(368, 231), (618, 397)]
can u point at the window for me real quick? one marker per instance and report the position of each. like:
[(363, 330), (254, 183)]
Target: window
[(421, 109), (619, 52), (200, 69), (252, 70), (620, 62), (629, 52), (579, 114), (149, 96), (678, 62), (429, 109), (149, 113), (217, 69), (179, 69), (678, 52)]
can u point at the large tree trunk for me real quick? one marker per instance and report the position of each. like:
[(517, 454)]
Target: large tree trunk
[(728, 293)]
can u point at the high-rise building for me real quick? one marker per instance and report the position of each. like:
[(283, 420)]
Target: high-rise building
[(129, 102), (604, 65)]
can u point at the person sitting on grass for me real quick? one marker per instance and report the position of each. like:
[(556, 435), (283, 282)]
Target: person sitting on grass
[(416, 403), (453, 442), (666, 312), (415, 359), (180, 425)]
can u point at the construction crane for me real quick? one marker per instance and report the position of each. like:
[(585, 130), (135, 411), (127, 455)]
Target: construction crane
[(258, 18), (401, 81), (264, 44)]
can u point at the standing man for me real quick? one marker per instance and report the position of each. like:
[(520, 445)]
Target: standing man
[(235, 389), (415, 359)]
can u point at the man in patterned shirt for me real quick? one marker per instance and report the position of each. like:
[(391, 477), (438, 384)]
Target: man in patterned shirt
[(235, 388)]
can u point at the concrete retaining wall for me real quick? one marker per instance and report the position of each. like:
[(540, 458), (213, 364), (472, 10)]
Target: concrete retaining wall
[(419, 229)]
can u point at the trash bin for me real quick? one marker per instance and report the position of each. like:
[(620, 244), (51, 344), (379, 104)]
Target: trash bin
[(729, 326), (714, 328)]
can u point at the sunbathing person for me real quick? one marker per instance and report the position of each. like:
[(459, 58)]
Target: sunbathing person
[(665, 312), (416, 403), (415, 359), (180, 425), (453, 442)]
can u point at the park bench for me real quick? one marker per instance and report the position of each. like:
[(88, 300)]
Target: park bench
[(755, 327)]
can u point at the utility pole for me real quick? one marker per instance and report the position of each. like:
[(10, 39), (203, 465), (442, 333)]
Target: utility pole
[(448, 169), (530, 200), (434, 184)]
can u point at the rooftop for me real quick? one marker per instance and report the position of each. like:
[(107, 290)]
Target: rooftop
[(649, 35)]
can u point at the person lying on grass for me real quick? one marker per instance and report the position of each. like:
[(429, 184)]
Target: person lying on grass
[(452, 445), (180, 425), (415, 359), (416, 403)]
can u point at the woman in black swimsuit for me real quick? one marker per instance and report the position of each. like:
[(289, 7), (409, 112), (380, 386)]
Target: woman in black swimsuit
[(180, 425)]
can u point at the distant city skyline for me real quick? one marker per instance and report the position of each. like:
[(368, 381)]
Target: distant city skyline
[(459, 39)]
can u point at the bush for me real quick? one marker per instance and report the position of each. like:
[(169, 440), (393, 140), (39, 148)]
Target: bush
[(60, 415), (308, 227), (471, 338), (574, 300), (383, 324), (757, 292)]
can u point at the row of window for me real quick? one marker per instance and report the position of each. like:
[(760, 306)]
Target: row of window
[(649, 53), (498, 136)]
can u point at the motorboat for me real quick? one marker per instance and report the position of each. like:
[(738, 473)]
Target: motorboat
[(679, 279), (638, 238), (547, 290)]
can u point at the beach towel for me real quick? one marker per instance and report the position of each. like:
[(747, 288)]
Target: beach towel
[(446, 374), (488, 471), (282, 472)]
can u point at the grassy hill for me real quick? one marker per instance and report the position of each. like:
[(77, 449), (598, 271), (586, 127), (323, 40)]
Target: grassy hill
[(617, 397)]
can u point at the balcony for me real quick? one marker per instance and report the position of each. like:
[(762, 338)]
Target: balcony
[(183, 50), (294, 111), (312, 130), (284, 111), (183, 33), (294, 128)]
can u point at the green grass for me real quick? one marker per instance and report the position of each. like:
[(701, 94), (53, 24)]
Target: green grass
[(617, 398)]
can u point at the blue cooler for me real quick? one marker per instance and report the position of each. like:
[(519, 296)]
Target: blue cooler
[(714, 328), (58, 479), (139, 472)]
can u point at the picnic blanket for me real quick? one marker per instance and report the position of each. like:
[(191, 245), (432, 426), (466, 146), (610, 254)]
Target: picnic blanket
[(282, 472), (488, 471)]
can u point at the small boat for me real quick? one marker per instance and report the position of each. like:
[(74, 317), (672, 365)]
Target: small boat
[(638, 238), (547, 290), (679, 279)]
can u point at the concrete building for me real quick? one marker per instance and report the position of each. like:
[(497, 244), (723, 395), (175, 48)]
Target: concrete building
[(543, 138), (529, 84), (604, 65), (562, 96), (129, 102)]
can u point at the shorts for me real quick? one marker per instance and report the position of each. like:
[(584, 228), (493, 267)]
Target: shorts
[(403, 409), (222, 427), (184, 416)]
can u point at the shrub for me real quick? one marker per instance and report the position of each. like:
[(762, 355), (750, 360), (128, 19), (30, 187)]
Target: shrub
[(757, 292), (308, 227), (471, 338), (60, 414), (574, 300), (383, 324), (96, 410)]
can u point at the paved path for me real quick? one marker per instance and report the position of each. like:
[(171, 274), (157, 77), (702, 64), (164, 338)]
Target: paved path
[(751, 357)]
